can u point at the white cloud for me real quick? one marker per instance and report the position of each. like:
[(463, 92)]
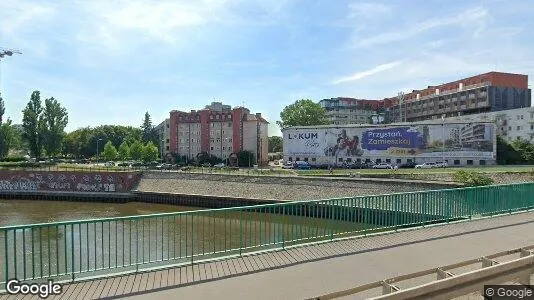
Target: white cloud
[(470, 17), (368, 9), (367, 73)]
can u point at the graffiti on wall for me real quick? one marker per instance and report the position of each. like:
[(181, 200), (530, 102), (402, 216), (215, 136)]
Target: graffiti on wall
[(68, 181)]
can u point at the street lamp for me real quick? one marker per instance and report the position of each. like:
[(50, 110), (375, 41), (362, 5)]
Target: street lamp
[(97, 153), (400, 96), (4, 53), (443, 137)]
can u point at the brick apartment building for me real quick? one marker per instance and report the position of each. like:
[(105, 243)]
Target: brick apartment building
[(218, 130), (489, 92)]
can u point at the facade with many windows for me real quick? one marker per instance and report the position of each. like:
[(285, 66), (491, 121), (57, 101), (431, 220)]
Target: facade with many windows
[(218, 130), (163, 137), (489, 92)]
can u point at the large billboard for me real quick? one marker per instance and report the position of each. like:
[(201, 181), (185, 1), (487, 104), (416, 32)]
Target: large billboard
[(421, 140)]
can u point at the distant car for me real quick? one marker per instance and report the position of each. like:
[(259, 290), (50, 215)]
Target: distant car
[(441, 164), (408, 165), (383, 166), (110, 164), (288, 165), (206, 165), (359, 165), (427, 165), (219, 165), (302, 165)]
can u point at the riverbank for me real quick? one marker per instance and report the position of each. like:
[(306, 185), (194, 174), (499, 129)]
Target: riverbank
[(277, 188)]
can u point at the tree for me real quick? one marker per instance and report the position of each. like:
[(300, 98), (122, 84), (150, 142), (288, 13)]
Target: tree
[(136, 150), (6, 132), (55, 119), (33, 124), (246, 158), (276, 144), (149, 132), (124, 151), (304, 112), (110, 152), (150, 152)]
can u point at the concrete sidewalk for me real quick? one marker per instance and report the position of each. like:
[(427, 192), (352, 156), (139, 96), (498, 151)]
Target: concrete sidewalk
[(315, 270)]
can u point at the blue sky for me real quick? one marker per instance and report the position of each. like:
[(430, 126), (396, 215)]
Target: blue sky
[(110, 61)]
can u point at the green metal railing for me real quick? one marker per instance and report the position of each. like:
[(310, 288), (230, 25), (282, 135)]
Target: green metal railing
[(102, 247)]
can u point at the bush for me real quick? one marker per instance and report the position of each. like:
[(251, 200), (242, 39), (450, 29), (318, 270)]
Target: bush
[(14, 159), (472, 178)]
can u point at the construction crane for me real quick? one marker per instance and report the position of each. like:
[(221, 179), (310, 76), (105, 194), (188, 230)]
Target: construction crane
[(8, 52)]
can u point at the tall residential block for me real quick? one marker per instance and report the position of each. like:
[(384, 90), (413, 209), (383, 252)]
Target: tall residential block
[(218, 130)]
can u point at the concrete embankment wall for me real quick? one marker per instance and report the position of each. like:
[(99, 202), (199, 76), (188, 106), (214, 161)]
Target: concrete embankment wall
[(68, 181)]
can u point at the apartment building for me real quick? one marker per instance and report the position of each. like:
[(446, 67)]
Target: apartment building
[(218, 130), (488, 92), (344, 111), (163, 137), (511, 124)]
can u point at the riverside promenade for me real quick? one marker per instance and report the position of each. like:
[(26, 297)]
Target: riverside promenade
[(311, 271)]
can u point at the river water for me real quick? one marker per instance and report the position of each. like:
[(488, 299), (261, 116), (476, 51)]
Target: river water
[(20, 212), (88, 247)]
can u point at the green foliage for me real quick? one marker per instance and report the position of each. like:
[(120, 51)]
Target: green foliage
[(518, 152), (150, 152), (6, 138), (124, 151), (136, 150), (81, 143), (14, 159), (205, 158), (276, 144), (33, 124), (110, 152), (6, 132), (303, 112), (149, 133), (246, 158), (55, 119), (472, 178)]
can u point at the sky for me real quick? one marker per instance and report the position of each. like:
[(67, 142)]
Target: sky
[(109, 62)]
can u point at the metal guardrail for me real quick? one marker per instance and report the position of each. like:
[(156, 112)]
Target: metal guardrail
[(449, 283), (102, 247)]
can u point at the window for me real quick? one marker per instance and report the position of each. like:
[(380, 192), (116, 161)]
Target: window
[(211, 148), (297, 159), (518, 128), (314, 159), (290, 158), (224, 148), (388, 160), (305, 159), (349, 159), (378, 160), (409, 160), (167, 140), (521, 117), (340, 159), (167, 148), (456, 161), (399, 160), (482, 162), (509, 128), (211, 117), (531, 126), (192, 140), (359, 160), (469, 161), (167, 125), (229, 124)]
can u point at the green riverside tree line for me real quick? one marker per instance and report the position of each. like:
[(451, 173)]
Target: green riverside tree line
[(42, 134)]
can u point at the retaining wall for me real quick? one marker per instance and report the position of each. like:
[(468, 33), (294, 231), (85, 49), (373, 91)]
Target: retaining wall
[(68, 181)]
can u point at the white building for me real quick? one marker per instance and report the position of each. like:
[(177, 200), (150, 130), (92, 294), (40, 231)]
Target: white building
[(163, 137), (511, 124)]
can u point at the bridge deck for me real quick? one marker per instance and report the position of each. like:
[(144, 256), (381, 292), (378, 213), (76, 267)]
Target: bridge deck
[(315, 270)]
